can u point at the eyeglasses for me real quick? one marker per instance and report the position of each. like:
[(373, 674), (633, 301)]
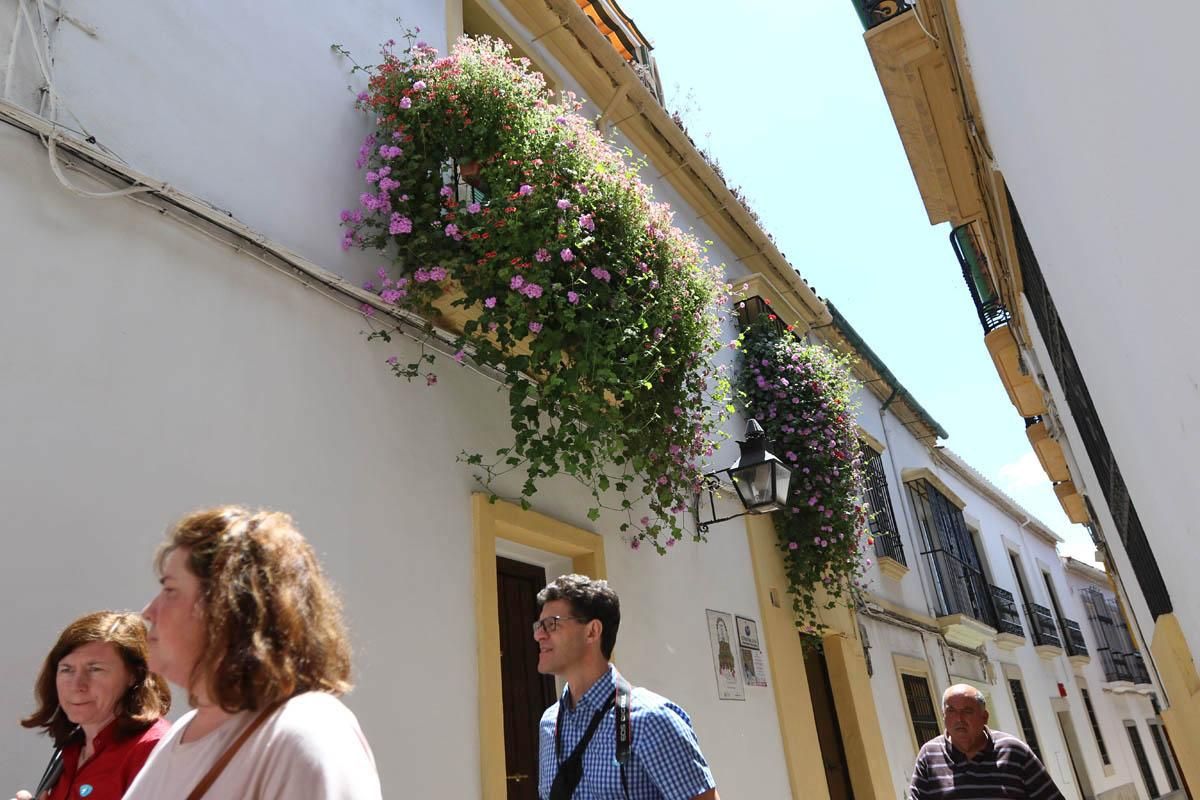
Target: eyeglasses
[(550, 624)]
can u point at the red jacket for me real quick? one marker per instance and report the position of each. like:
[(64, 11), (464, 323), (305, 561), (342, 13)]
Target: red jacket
[(108, 773)]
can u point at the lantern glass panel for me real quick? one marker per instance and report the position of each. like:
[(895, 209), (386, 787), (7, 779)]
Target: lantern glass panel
[(755, 484), (783, 477)]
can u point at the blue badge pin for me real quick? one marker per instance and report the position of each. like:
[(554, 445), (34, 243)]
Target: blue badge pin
[(85, 790)]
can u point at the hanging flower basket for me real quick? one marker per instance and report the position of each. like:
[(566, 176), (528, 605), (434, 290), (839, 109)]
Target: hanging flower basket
[(503, 212), (802, 396)]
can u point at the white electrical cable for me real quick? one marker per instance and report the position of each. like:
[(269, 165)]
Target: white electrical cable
[(51, 94), (56, 168), (412, 328), (63, 15), (917, 13)]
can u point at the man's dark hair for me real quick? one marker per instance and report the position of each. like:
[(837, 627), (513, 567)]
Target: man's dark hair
[(591, 599)]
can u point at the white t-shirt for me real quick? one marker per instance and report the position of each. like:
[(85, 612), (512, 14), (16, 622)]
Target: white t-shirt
[(310, 749)]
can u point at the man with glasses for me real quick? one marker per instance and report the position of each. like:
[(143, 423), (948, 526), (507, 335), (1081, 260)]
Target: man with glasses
[(603, 737)]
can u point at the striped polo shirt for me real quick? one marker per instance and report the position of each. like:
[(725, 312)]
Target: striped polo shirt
[(1005, 768)]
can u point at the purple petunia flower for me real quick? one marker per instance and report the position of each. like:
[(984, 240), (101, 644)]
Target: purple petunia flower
[(587, 223), (489, 303), (405, 102), (525, 190), (419, 86), (572, 297), (399, 224), (535, 327), (564, 204), (566, 255), (517, 282)]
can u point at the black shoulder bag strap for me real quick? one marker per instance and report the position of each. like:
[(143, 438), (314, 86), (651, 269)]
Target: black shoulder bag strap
[(570, 772)]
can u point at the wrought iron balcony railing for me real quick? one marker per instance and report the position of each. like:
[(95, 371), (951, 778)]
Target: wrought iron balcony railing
[(1042, 621), (873, 12), (961, 588), (888, 544), (1116, 667), (1076, 645), (1007, 618), (1138, 668), (992, 313), (754, 308)]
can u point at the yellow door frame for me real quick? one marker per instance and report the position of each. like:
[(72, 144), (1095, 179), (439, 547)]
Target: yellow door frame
[(501, 520)]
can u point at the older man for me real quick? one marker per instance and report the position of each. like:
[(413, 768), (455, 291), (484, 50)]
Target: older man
[(970, 762)]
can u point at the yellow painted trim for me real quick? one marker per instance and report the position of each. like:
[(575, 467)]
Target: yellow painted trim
[(862, 739), (1071, 501), (503, 30), (1023, 391), (916, 473), (1049, 452), (785, 656), (454, 23), (870, 441), (501, 520), (1181, 683), (907, 665)]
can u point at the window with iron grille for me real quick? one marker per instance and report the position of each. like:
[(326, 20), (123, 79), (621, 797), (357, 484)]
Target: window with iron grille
[(954, 563), (1024, 716), (1113, 644), (1164, 753), (879, 505), (921, 709), (1091, 712), (1139, 752), (1095, 440)]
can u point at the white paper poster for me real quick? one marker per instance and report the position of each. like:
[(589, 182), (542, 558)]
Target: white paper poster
[(729, 675), (754, 667)]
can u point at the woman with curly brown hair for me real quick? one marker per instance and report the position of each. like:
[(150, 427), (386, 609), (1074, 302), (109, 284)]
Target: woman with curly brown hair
[(247, 623), (101, 704)]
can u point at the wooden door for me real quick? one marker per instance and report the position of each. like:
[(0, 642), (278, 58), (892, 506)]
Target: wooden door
[(526, 693), (829, 733)]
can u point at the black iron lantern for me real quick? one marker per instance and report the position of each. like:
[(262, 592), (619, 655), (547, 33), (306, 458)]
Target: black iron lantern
[(759, 478)]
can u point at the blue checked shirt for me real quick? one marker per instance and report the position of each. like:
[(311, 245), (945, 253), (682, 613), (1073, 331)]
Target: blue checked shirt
[(665, 759)]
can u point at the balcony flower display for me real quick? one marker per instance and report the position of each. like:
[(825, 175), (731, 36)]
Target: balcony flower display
[(493, 204), (801, 394)]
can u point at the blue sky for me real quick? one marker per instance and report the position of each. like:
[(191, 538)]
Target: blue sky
[(785, 96)]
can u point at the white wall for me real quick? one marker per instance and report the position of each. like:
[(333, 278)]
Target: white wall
[(1090, 116), (174, 374), (152, 370)]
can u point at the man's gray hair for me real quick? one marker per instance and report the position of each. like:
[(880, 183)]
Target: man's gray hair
[(967, 691)]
